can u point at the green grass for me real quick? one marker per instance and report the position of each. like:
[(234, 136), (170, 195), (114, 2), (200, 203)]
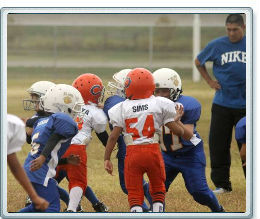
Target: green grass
[(107, 187)]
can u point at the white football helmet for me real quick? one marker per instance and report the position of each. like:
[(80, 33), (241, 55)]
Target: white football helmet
[(117, 87), (168, 78), (63, 98), (36, 90)]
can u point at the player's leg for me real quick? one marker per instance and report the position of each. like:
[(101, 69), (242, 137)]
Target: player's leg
[(219, 144), (170, 170), (157, 176), (134, 179), (239, 114), (77, 176), (147, 195), (120, 165), (64, 195), (60, 175), (123, 187), (50, 193), (195, 179)]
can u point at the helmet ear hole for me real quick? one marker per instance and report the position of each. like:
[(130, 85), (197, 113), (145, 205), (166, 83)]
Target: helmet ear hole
[(69, 110)]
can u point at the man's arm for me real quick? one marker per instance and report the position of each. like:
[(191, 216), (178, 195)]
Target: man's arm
[(204, 73), (109, 148), (22, 178)]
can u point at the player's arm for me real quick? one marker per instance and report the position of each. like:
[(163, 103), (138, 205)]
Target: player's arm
[(204, 73), (176, 128), (22, 178), (184, 131), (103, 137), (109, 148), (50, 145)]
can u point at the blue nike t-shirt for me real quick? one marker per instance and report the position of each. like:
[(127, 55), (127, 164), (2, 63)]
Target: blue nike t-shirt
[(229, 68)]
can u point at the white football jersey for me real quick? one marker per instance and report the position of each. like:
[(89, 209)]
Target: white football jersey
[(94, 119), (142, 118), (16, 135)]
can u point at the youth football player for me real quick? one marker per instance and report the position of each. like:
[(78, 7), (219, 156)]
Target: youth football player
[(139, 118), (51, 137), (92, 90), (180, 155), (116, 90)]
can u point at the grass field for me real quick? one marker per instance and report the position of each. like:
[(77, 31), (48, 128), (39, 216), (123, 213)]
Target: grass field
[(107, 187)]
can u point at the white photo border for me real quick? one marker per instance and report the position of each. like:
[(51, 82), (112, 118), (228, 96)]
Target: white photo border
[(170, 10)]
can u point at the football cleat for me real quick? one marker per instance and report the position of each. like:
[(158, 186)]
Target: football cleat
[(69, 211), (100, 207), (222, 209), (28, 201), (221, 191), (80, 209)]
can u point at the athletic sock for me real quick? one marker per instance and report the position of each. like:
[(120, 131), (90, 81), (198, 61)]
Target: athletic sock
[(64, 195), (157, 207), (136, 209), (75, 197)]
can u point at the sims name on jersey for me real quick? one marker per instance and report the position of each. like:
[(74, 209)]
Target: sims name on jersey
[(140, 108)]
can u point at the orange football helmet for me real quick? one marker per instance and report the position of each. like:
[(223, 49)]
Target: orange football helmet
[(139, 84), (91, 88)]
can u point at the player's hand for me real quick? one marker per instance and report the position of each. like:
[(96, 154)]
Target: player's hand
[(108, 166), (37, 163), (40, 203), (73, 159), (179, 112), (214, 84)]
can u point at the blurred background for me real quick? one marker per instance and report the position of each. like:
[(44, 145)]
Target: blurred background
[(112, 41)]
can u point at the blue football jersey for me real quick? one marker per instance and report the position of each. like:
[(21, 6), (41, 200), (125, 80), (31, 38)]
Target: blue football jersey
[(192, 111), (109, 103), (58, 123), (240, 131), (229, 68)]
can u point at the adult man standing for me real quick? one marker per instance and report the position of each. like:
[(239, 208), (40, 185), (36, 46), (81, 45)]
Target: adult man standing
[(228, 54)]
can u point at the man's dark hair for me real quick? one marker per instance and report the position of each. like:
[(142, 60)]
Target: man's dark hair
[(235, 18)]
